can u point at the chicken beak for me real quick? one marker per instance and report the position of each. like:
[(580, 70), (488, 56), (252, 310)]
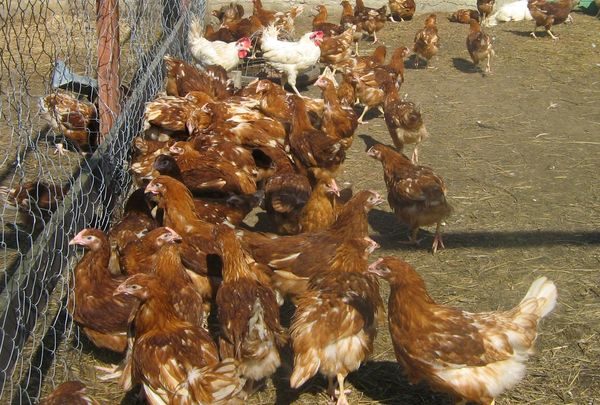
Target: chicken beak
[(261, 86), (375, 269), (334, 187), (175, 237), (121, 289), (378, 199), (373, 245), (151, 188), (371, 152), (77, 240)]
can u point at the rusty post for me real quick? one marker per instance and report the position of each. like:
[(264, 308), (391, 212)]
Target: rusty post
[(107, 25)]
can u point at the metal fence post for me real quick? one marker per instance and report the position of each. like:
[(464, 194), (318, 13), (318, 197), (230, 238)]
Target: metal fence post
[(107, 24)]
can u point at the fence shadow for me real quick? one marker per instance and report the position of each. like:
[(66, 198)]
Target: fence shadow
[(391, 234), (383, 381)]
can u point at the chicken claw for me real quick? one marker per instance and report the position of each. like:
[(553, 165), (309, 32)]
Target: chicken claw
[(60, 149), (110, 373)]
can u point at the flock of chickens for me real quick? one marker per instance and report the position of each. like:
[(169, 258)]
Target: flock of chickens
[(191, 295)]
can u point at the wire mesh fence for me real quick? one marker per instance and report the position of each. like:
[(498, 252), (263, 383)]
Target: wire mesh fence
[(58, 173)]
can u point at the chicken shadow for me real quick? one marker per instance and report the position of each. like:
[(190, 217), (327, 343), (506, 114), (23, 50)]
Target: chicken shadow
[(393, 234), (526, 34), (383, 381), (369, 141), (465, 66), (411, 63), (284, 394)]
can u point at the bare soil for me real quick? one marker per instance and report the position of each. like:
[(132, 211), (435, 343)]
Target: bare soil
[(520, 152)]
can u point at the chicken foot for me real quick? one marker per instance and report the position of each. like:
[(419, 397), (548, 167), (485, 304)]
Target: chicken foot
[(334, 393), (412, 238), (110, 373), (60, 149)]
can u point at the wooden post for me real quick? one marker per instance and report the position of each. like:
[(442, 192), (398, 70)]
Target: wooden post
[(107, 25)]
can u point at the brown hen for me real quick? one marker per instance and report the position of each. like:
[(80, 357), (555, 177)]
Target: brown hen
[(348, 20), (319, 23), (76, 120), (402, 9), (335, 322), (315, 149), (485, 8), (71, 393), (34, 200), (549, 13), (474, 357), (102, 316), (176, 361), (403, 120), (415, 193), (427, 41), (248, 313), (370, 20), (338, 120), (464, 16), (479, 45)]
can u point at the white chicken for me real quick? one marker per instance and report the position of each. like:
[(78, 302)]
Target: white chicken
[(220, 53), (515, 11), (291, 58)]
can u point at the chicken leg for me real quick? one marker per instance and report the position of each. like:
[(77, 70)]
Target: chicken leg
[(437, 239), (554, 37), (342, 400), (375, 40), (415, 155), (360, 119), (296, 91)]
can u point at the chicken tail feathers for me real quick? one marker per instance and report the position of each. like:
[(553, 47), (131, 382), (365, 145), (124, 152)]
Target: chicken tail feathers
[(306, 365), (271, 30), (195, 33), (211, 384), (541, 298)]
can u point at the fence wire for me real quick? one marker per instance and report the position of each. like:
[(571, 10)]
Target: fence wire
[(46, 197)]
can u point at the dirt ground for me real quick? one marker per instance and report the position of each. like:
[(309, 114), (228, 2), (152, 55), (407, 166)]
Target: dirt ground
[(520, 152)]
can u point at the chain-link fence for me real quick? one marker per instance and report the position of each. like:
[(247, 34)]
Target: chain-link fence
[(59, 173)]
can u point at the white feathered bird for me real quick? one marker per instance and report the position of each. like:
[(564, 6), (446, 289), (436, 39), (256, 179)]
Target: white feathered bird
[(220, 53), (515, 11), (291, 58)]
